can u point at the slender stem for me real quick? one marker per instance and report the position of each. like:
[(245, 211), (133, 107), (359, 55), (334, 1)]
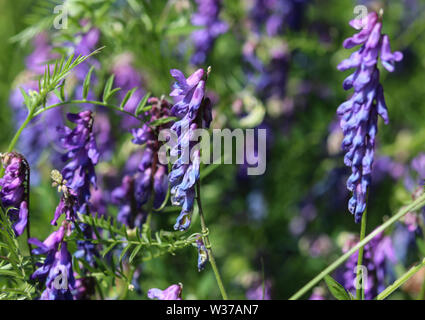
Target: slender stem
[(208, 243), (360, 290), (400, 281), (18, 133), (415, 205)]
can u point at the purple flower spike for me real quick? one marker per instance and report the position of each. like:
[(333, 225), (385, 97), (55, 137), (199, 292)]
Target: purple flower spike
[(359, 115), (82, 155), (14, 192), (173, 292), (60, 281), (190, 96), (207, 16), (79, 175), (56, 270)]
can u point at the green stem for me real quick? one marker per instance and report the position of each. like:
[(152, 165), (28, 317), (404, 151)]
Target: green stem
[(415, 205), (208, 243), (360, 291), (400, 281), (18, 133)]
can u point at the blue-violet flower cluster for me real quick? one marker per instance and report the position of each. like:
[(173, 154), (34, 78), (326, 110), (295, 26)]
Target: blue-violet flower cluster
[(56, 270), (81, 156), (194, 111), (359, 115), (14, 190), (79, 173), (136, 190)]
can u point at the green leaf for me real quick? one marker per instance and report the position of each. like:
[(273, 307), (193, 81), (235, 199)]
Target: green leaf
[(27, 99), (86, 85), (142, 104), (113, 91), (58, 95), (6, 272), (127, 97), (76, 265), (109, 249), (124, 251), (336, 289), (108, 87), (62, 91), (135, 252)]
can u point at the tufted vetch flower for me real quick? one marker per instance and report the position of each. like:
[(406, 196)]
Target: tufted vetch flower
[(194, 111), (14, 193), (81, 156), (56, 270), (359, 115)]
